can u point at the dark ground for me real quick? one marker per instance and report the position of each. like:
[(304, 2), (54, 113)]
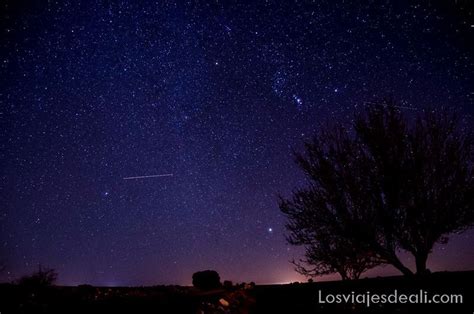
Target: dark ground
[(292, 298)]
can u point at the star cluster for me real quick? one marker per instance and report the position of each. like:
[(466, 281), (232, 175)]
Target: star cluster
[(218, 95)]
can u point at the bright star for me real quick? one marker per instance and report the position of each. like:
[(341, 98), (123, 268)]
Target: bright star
[(298, 100)]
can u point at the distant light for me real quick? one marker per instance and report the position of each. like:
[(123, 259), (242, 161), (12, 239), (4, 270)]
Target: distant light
[(270, 230), (336, 90)]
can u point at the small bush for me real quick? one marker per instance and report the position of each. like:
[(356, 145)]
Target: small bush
[(40, 279), (206, 280)]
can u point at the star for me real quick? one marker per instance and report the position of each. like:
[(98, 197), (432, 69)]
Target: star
[(298, 101)]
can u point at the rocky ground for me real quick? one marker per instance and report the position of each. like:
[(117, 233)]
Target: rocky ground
[(243, 298)]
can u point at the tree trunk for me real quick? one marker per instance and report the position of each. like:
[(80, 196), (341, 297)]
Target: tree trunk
[(391, 258), (395, 262), (420, 261)]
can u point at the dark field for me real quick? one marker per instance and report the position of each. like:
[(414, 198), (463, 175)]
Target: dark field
[(291, 298)]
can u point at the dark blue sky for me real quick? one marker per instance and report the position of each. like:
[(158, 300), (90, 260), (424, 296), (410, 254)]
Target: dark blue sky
[(217, 95)]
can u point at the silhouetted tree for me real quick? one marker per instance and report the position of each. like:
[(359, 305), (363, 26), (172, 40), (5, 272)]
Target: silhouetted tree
[(425, 175), (44, 277), (329, 254), (206, 280), (383, 185), (326, 218)]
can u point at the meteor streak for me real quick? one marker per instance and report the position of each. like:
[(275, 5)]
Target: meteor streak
[(150, 176)]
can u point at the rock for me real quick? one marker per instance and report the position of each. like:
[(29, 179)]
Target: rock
[(224, 302)]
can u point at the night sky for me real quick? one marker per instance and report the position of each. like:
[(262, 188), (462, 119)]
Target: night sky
[(215, 94)]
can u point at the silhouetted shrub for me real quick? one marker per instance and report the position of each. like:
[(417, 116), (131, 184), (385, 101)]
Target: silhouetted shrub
[(40, 279), (206, 280)]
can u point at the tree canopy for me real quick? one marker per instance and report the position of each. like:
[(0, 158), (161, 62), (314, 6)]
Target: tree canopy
[(383, 183)]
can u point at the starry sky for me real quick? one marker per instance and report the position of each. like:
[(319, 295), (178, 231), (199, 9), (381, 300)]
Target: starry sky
[(216, 93)]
